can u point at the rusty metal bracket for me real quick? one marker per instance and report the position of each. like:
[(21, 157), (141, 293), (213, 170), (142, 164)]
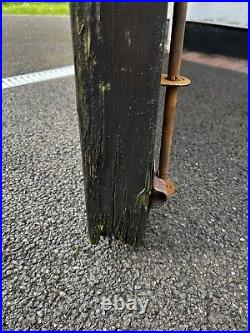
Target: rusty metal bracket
[(179, 81), (161, 190)]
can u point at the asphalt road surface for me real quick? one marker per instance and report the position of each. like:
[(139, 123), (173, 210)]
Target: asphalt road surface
[(35, 43), (193, 267)]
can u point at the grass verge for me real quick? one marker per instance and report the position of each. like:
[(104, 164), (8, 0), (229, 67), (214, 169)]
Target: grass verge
[(35, 8)]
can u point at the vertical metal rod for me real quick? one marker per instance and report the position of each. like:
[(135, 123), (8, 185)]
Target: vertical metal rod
[(174, 65)]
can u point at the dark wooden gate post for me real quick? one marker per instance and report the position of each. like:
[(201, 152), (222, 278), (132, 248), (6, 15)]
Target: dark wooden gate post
[(118, 54)]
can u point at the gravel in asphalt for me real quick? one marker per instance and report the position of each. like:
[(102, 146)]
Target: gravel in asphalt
[(193, 267), (35, 43)]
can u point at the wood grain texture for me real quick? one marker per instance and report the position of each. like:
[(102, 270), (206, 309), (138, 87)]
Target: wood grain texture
[(118, 51)]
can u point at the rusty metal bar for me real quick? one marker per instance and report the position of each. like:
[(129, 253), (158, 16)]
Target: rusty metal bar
[(176, 47)]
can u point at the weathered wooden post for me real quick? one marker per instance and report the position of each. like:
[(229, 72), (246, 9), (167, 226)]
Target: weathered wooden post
[(118, 50)]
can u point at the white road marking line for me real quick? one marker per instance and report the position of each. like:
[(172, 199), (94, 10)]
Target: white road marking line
[(20, 80)]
